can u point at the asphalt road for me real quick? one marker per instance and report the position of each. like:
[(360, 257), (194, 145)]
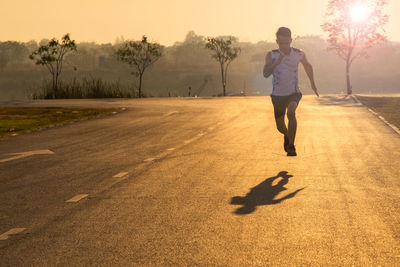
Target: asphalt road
[(203, 182)]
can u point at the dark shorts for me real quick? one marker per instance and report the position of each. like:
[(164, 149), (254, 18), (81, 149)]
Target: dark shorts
[(282, 102)]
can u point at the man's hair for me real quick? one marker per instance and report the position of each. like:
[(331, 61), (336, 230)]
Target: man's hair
[(283, 31)]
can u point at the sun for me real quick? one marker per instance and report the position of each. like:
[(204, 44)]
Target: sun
[(359, 12)]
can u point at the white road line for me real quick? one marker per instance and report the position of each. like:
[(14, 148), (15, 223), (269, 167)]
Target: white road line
[(77, 198), (13, 231), (189, 140), (373, 112), (355, 99), (27, 154), (149, 159), (171, 113), (121, 174)]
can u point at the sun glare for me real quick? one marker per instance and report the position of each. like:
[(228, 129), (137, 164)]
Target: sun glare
[(359, 12)]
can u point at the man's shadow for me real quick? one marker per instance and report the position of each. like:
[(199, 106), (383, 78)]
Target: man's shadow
[(264, 194)]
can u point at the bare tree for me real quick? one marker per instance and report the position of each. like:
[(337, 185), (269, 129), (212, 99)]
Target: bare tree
[(224, 53), (353, 27), (52, 55), (139, 54)]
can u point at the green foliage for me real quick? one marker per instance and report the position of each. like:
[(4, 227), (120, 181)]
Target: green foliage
[(52, 55), (140, 55), (223, 50), (53, 52)]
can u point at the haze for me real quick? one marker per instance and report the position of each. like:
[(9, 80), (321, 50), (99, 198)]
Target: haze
[(166, 21)]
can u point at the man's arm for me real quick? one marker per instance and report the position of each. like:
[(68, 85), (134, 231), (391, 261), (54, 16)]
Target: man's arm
[(271, 65), (310, 73)]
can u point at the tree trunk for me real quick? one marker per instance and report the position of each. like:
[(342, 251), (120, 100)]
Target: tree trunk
[(349, 87), (54, 86), (140, 84), (223, 78), (225, 75)]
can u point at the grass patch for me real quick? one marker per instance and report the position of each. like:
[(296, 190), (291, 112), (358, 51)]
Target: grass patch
[(24, 119), (85, 88), (387, 107)]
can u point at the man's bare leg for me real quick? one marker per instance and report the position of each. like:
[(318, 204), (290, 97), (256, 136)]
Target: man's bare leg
[(281, 126), (292, 125)]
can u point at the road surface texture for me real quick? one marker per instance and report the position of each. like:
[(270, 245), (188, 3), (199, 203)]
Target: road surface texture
[(203, 182)]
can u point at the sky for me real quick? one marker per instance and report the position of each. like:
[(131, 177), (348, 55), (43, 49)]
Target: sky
[(167, 21)]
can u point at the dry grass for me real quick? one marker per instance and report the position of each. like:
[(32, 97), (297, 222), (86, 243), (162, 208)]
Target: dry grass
[(19, 120)]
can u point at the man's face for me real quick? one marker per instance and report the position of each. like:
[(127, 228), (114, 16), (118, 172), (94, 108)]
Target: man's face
[(284, 41)]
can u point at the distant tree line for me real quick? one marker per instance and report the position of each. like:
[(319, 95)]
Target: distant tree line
[(189, 63), (13, 53)]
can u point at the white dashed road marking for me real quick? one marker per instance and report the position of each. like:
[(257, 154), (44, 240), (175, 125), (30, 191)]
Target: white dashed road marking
[(121, 174), (13, 231), (150, 159), (189, 140), (27, 154), (171, 113), (77, 198), (173, 148)]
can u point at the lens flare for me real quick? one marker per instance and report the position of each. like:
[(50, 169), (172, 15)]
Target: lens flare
[(359, 12)]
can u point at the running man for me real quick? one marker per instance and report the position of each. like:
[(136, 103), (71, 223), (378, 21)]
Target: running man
[(283, 64)]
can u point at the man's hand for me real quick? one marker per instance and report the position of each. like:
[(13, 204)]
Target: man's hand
[(270, 64), (310, 73), (315, 90), (281, 56)]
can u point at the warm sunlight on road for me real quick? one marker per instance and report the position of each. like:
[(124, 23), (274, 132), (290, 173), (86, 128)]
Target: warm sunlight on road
[(183, 182)]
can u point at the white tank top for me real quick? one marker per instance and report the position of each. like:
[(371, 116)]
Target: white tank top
[(285, 81)]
